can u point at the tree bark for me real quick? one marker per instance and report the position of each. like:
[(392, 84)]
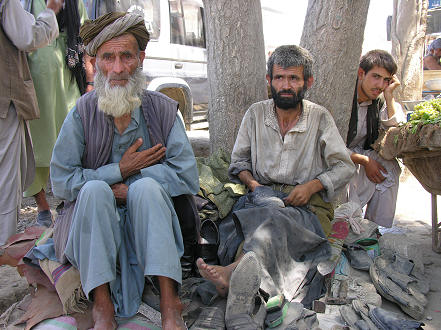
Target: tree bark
[(408, 30), (333, 32), (236, 66)]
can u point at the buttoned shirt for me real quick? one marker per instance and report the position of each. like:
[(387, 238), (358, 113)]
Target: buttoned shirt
[(312, 149)]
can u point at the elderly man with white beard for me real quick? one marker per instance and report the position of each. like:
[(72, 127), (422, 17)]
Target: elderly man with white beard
[(121, 156)]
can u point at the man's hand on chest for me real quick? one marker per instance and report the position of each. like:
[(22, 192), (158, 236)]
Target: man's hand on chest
[(133, 161)]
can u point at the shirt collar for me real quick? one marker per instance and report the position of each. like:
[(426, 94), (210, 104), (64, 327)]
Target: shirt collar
[(134, 122), (136, 113), (270, 117), (365, 103)]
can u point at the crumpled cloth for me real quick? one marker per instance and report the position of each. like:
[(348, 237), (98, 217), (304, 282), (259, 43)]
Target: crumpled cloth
[(289, 241), (64, 277), (351, 212), (215, 184)]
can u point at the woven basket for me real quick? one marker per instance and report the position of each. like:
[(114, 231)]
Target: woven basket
[(426, 167)]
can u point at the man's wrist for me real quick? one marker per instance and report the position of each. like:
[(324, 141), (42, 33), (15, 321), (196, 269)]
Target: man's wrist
[(359, 159), (315, 185)]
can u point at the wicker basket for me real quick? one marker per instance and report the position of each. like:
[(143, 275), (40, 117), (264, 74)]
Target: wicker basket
[(426, 167), (420, 151)]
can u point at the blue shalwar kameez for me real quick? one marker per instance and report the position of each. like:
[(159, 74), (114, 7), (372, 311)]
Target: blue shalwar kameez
[(115, 244)]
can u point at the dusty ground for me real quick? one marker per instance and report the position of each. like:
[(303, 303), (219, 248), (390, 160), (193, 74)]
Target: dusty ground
[(414, 217)]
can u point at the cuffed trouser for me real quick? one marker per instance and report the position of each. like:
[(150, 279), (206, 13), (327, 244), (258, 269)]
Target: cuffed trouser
[(120, 246), (16, 167), (381, 199)]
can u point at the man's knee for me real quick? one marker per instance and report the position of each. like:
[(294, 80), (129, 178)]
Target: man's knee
[(95, 203), (95, 189), (146, 188)]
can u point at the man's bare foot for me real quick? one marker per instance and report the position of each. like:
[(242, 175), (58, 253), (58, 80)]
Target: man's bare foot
[(218, 275), (171, 315), (103, 310), (103, 317)]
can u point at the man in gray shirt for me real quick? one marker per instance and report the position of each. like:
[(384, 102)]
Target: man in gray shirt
[(20, 32)]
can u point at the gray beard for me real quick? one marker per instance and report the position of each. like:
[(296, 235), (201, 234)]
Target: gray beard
[(117, 101)]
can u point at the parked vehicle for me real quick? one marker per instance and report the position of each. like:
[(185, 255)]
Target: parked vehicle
[(176, 56)]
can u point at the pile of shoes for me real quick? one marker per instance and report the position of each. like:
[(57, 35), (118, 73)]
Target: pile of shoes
[(397, 280), (365, 316)]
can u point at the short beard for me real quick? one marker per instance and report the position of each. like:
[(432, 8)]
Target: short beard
[(286, 103), (117, 101)]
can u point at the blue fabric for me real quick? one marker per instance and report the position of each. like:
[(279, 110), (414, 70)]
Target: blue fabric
[(45, 251), (122, 244)]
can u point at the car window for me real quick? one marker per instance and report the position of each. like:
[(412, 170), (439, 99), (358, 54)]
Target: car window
[(186, 23), (149, 9)]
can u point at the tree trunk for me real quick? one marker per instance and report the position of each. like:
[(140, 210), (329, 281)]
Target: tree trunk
[(333, 32), (236, 66), (408, 31)]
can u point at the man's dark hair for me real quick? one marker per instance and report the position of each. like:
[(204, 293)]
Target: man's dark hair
[(291, 55), (378, 57)]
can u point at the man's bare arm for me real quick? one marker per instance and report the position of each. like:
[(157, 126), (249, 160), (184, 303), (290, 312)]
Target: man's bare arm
[(389, 96), (247, 179), (89, 72), (301, 194), (372, 168)]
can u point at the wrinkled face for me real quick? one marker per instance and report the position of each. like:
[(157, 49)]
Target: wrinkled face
[(119, 79), (119, 58), (372, 83), (287, 86)]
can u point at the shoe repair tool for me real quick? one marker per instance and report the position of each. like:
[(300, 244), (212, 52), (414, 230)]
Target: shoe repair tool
[(278, 308)]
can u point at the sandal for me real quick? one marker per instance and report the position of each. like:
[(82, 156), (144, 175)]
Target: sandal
[(211, 318)]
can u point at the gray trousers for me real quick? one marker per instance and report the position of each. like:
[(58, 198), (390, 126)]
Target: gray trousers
[(121, 245), (381, 199), (17, 168)]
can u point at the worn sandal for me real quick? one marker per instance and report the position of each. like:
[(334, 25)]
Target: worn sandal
[(211, 318)]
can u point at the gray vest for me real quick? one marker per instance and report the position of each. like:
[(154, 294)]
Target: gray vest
[(159, 112), (16, 83)]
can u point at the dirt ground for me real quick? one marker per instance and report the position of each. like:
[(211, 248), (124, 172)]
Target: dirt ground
[(413, 217)]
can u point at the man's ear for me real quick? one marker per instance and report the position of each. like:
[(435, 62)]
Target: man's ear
[(268, 79), (141, 56), (361, 73), (93, 62), (309, 82)]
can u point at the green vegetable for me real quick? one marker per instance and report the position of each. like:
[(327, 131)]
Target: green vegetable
[(428, 112)]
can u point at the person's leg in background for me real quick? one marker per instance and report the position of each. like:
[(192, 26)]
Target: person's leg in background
[(16, 168), (38, 190)]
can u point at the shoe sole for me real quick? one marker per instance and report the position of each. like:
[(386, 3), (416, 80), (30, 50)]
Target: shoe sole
[(244, 284)]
